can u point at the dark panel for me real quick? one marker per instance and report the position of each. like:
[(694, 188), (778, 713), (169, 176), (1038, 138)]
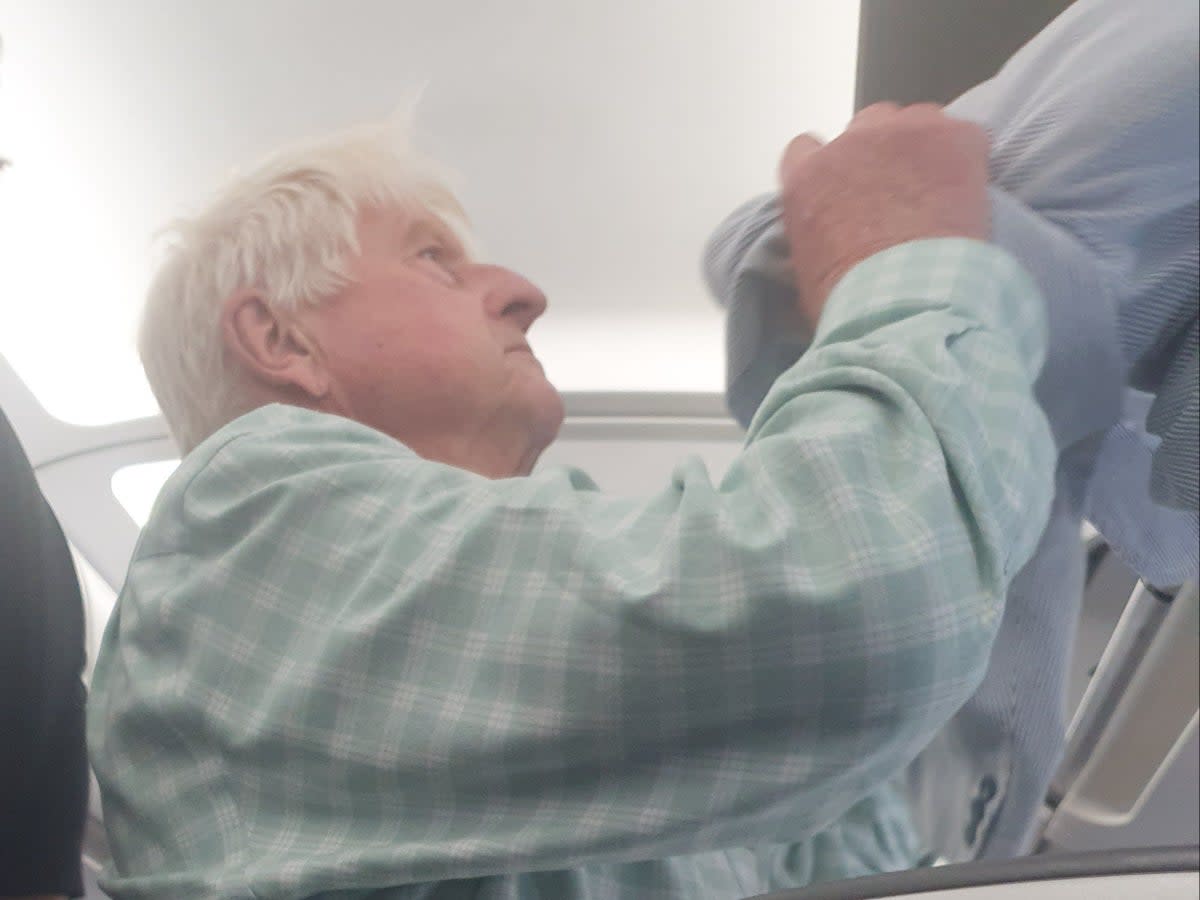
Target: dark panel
[(921, 50)]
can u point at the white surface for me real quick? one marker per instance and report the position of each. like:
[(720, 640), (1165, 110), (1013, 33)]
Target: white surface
[(136, 486), (598, 145)]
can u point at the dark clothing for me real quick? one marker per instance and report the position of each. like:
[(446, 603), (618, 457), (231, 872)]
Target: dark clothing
[(43, 759)]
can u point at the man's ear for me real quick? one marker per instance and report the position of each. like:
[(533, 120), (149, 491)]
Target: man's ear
[(270, 346)]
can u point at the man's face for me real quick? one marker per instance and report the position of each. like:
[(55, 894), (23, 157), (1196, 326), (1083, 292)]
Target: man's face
[(430, 348)]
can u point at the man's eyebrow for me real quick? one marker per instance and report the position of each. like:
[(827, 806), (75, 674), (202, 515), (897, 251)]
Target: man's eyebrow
[(424, 228)]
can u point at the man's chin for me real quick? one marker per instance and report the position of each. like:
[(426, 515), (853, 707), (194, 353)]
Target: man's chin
[(552, 412), (545, 416)]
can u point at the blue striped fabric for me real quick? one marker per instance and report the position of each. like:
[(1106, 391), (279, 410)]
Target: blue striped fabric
[(1094, 126)]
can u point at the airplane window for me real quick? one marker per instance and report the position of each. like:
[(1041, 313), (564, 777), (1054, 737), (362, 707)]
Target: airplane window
[(596, 151), (135, 487)]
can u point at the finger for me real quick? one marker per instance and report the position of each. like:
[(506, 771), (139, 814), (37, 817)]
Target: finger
[(872, 114), (801, 146), (924, 109)]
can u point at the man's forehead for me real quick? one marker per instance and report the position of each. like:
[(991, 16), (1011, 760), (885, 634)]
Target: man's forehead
[(397, 225)]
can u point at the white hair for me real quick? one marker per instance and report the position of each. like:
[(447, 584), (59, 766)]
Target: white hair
[(287, 228)]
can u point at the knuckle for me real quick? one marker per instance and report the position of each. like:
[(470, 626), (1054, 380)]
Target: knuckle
[(798, 150), (925, 110)]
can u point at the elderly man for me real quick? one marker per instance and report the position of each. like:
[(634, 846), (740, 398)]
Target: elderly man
[(362, 651)]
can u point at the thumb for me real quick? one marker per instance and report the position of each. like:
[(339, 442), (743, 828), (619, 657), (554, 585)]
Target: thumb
[(798, 149)]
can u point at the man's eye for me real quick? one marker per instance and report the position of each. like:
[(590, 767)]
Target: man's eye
[(441, 257)]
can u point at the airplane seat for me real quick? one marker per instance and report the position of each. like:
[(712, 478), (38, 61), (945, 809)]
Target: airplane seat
[(42, 695), (1134, 735)]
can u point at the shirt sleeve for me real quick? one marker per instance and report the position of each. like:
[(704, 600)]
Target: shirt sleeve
[(417, 674)]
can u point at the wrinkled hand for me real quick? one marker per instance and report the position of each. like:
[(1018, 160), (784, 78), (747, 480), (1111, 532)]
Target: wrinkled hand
[(895, 175)]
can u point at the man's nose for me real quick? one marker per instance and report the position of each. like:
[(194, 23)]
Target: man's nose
[(511, 296)]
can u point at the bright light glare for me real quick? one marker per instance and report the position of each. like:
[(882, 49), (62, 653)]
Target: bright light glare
[(625, 352), (598, 144), (136, 487)]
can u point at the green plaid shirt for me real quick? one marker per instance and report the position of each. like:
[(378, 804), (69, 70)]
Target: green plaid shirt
[(339, 670)]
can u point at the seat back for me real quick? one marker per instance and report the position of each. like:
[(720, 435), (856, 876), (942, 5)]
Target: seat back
[(1135, 726), (43, 758)]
